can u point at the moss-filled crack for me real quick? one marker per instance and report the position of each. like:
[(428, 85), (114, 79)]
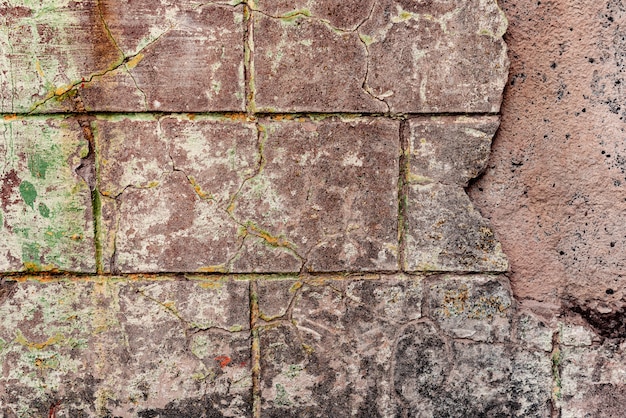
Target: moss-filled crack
[(255, 348), (88, 171), (249, 226), (307, 14), (403, 192), (250, 90), (126, 61)]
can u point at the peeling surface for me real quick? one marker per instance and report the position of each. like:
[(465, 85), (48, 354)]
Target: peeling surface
[(46, 219)]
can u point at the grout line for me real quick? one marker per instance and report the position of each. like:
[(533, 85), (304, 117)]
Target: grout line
[(58, 276), (255, 349), (248, 48), (91, 176), (238, 114), (404, 167)]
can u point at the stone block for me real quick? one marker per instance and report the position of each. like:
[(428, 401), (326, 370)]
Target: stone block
[(472, 307), (531, 384), (166, 191), (435, 377), (332, 350), (533, 332), (449, 150), (390, 55), (121, 56), (444, 232), (46, 218), (211, 194), (176, 348), (591, 379), (326, 195)]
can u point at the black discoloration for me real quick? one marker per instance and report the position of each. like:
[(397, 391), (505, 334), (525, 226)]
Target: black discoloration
[(200, 408), (609, 325)]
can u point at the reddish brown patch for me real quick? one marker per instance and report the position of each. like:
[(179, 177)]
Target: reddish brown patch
[(223, 360), (14, 13), (9, 182)]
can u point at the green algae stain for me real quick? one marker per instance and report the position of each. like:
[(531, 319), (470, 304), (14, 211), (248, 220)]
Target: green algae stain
[(44, 210), (30, 254), (38, 166), (28, 192)]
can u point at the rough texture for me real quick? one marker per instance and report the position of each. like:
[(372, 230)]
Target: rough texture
[(554, 186), (278, 196), (180, 347), (375, 56), (373, 347), (45, 206), (121, 56), (323, 152)]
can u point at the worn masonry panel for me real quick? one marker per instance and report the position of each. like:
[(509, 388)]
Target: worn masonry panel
[(46, 221), (444, 232), (217, 195), (121, 56), (327, 346), (361, 347), (476, 308), (326, 194), (181, 348), (166, 191), (379, 55), (449, 150)]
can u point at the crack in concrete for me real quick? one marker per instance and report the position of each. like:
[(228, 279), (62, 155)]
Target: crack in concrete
[(190, 328), (125, 61)]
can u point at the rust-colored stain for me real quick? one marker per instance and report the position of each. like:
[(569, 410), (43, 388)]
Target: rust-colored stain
[(223, 360)]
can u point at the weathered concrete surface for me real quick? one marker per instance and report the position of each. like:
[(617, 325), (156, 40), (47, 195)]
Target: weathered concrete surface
[(226, 195), (46, 218), (146, 349), (449, 150), (375, 56), (555, 183), (367, 347), (121, 56), (444, 232)]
